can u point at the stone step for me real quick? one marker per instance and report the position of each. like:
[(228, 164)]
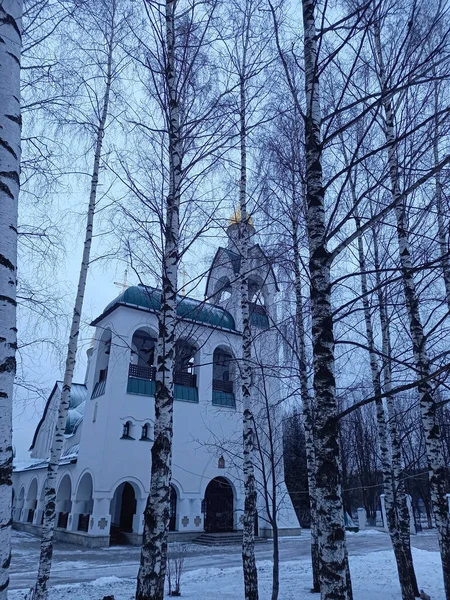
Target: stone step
[(224, 539)]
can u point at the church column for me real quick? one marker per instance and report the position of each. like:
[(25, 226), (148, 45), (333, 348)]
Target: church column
[(205, 374), (78, 508), (189, 515), (138, 519), (100, 521), (38, 513)]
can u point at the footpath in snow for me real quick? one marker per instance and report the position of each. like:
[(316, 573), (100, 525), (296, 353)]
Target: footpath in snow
[(374, 578)]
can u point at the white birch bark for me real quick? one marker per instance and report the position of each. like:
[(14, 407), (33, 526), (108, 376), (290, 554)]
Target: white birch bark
[(248, 541), (442, 236), (307, 407), (401, 505), (10, 130), (407, 584), (428, 408), (333, 576), (151, 575), (46, 549)]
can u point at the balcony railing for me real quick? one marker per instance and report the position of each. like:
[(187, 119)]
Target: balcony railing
[(142, 372), (149, 373), (186, 379), (223, 386)]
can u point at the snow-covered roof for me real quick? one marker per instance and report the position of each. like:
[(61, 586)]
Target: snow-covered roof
[(149, 298), (78, 396)]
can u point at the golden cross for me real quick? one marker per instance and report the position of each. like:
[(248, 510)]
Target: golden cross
[(123, 284)]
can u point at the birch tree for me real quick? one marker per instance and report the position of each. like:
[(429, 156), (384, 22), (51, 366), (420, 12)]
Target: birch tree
[(333, 582), (422, 363), (106, 22), (151, 576), (169, 68), (10, 145)]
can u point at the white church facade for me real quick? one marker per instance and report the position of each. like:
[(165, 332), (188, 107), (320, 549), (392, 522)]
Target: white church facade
[(104, 472)]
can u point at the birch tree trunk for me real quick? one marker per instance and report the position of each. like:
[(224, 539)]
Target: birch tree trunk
[(46, 549), (428, 408), (407, 581), (307, 406), (401, 505), (248, 541), (331, 531), (10, 131), (442, 236), (152, 570)]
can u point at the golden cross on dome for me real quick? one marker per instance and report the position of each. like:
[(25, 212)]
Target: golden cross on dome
[(123, 284)]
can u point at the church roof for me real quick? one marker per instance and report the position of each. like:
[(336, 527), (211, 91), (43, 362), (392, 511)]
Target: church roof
[(149, 298), (77, 403)]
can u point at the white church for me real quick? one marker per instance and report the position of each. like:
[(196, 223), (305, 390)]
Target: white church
[(104, 473)]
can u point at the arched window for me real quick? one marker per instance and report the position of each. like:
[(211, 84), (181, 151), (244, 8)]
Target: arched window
[(126, 431), (142, 355), (223, 291), (145, 434), (258, 312), (184, 371), (102, 362), (223, 378)]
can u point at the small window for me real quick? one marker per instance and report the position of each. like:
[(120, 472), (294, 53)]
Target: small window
[(126, 431), (221, 463), (145, 432), (94, 418)]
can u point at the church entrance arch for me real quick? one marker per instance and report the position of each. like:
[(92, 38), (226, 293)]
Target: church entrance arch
[(219, 504), (63, 502), (123, 510)]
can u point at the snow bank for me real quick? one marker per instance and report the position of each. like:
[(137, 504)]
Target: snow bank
[(373, 575)]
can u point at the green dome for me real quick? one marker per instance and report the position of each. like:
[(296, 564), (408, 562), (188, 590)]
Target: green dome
[(143, 296)]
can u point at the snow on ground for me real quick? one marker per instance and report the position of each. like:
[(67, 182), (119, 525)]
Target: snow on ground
[(373, 575)]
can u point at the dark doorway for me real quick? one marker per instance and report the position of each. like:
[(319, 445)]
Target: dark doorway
[(128, 508), (173, 509), (218, 506)]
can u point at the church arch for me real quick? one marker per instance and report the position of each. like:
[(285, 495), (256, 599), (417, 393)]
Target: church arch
[(102, 362), (63, 501), (84, 501), (222, 290), (31, 500), (186, 363), (224, 377), (123, 511), (219, 506), (257, 294), (142, 353)]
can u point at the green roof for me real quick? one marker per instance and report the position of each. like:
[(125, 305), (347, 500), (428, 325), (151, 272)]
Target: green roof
[(146, 297)]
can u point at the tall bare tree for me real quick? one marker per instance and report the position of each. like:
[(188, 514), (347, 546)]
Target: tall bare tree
[(105, 17), (10, 146)]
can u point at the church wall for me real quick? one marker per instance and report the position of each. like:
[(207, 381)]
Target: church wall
[(207, 438)]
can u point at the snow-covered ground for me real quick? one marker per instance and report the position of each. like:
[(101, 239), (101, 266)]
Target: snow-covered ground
[(373, 575)]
